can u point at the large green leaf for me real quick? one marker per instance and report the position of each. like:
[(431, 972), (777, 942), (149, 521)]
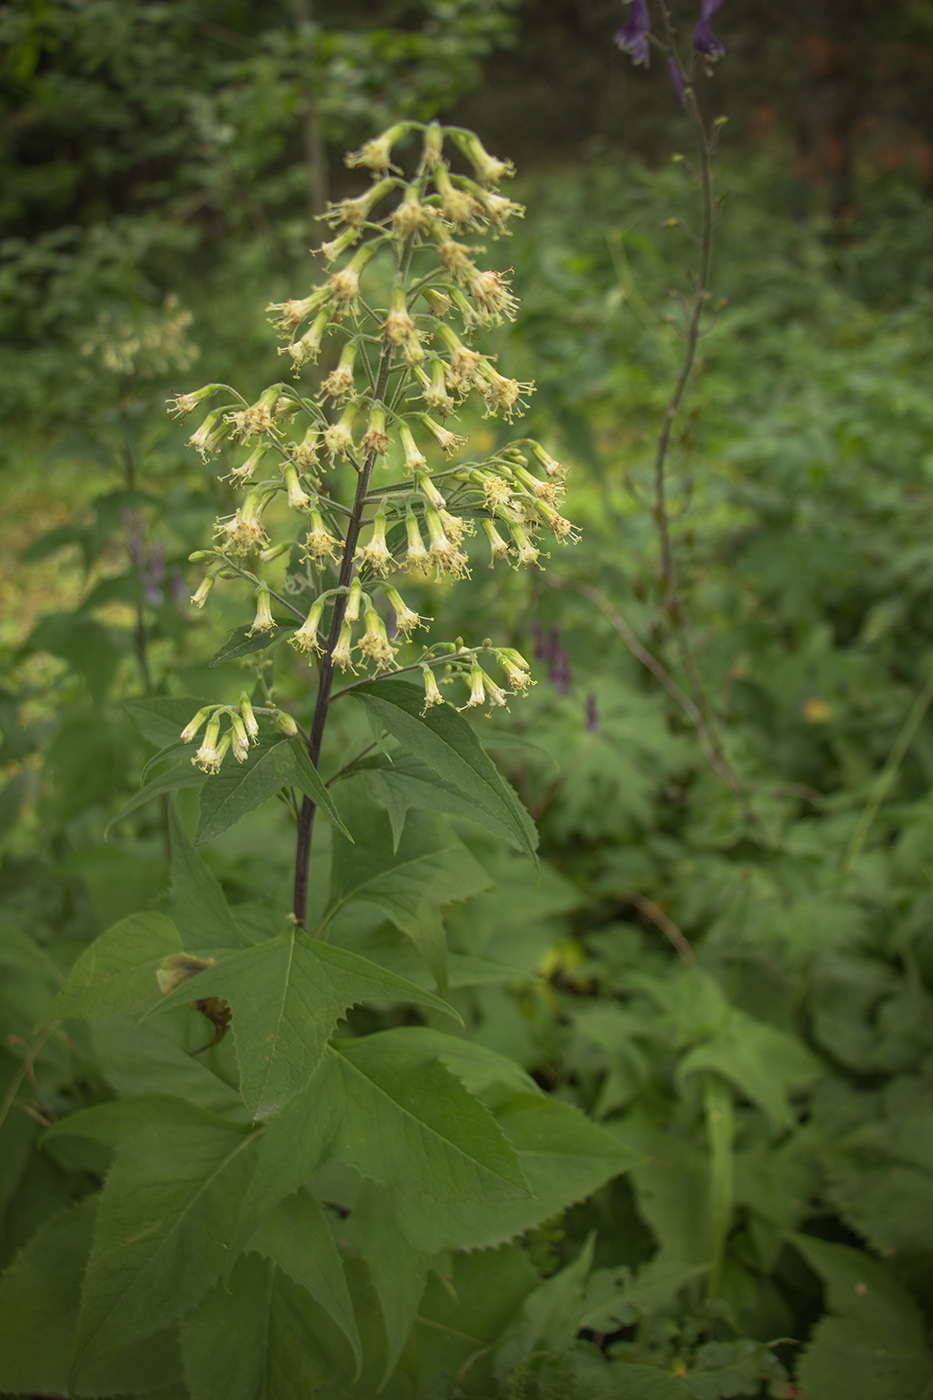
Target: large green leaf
[(288, 994), (241, 643), (116, 974), (259, 1336), (196, 902), (550, 1315), (162, 718), (444, 741), (236, 790), (564, 1156), (40, 1295), (178, 774), (403, 781), (164, 1219), (408, 1122), (297, 1237), (874, 1344), (410, 881)]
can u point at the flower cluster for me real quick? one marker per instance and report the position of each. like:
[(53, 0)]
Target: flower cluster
[(367, 458)]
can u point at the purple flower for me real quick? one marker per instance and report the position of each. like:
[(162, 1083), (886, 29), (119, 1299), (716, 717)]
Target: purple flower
[(673, 67), (704, 40), (632, 38), (551, 651)]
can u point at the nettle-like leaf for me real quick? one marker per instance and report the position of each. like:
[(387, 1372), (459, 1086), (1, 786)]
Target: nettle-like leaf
[(410, 879), (164, 1219), (116, 974), (874, 1343), (272, 765), (196, 902), (40, 1297), (287, 995), (446, 744)]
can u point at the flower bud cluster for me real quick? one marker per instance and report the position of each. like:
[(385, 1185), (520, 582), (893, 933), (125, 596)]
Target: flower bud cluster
[(401, 368)]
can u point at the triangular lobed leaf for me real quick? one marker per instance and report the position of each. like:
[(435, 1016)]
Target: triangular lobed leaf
[(116, 974)]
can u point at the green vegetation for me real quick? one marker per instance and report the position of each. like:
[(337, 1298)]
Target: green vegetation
[(599, 1063)]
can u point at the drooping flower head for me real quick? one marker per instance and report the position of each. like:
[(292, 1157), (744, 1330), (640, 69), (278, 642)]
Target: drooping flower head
[(704, 40), (632, 38)]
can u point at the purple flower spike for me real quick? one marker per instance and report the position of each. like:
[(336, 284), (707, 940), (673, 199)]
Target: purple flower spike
[(673, 67), (632, 38), (704, 40)]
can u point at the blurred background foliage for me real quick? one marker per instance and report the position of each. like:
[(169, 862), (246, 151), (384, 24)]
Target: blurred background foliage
[(162, 166)]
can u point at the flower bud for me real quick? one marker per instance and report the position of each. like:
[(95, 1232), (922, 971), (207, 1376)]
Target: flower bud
[(285, 724), (199, 597), (429, 491), (354, 598)]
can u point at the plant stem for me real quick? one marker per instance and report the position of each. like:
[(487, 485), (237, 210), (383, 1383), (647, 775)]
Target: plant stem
[(326, 668)]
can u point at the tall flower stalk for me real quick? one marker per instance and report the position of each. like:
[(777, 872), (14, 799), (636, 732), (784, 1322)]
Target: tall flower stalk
[(381, 484)]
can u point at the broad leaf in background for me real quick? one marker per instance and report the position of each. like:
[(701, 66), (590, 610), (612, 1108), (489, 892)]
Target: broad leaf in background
[(241, 643), (288, 994), (260, 1337), (195, 902), (183, 1172), (116, 975), (448, 746), (564, 1156), (401, 781), (274, 763), (874, 1343), (297, 1237), (40, 1295), (550, 1316), (410, 880)]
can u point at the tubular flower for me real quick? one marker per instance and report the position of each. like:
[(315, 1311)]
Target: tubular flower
[(410, 216), (304, 453), (500, 210), (345, 284), (257, 419), (465, 364), (449, 442), (294, 311), (515, 667), (374, 643), (319, 542), (306, 638), (341, 653), (489, 169), (354, 599), (434, 389), (501, 395), (243, 531), (200, 595), (298, 498), (443, 553), (308, 348), (246, 470), (549, 491), (561, 528), (477, 687), (399, 326), (263, 621), (340, 244), (414, 458), (338, 439), (250, 723), (439, 302), (549, 463), (209, 436), (340, 381), (432, 694), (458, 207), (239, 739), (498, 546), (527, 553), (455, 526), (375, 552), (405, 619), (377, 153), (417, 558), (285, 724), (376, 439), (182, 404), (194, 726), (355, 212), (456, 260), (492, 298), (429, 491), (497, 492), (209, 757)]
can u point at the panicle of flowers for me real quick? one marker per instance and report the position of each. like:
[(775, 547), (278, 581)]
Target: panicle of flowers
[(397, 372)]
